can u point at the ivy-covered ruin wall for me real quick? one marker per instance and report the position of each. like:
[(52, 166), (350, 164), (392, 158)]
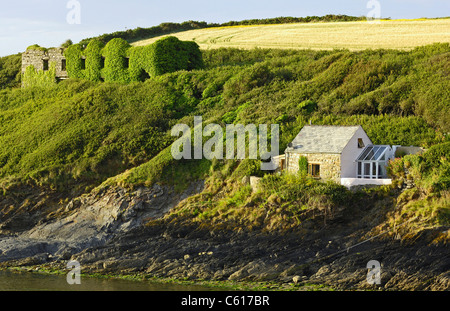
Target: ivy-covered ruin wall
[(117, 61)]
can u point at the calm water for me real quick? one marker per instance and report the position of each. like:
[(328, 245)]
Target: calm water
[(27, 281)]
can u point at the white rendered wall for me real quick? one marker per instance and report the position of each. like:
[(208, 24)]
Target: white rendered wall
[(351, 152)]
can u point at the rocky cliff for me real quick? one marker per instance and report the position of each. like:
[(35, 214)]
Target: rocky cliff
[(118, 231)]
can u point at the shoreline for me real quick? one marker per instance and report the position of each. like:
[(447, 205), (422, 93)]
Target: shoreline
[(214, 285), (108, 234)]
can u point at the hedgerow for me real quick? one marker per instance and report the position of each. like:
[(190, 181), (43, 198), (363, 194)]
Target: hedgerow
[(132, 35)]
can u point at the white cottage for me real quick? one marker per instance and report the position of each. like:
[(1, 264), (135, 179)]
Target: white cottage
[(344, 154)]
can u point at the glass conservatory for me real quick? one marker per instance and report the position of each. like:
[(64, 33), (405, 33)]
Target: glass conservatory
[(373, 161)]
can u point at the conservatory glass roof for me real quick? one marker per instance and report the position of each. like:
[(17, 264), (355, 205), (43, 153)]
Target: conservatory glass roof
[(373, 153)]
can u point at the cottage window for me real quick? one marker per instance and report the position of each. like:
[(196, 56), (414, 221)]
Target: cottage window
[(360, 143), (63, 65), (282, 164), (45, 64), (314, 170)]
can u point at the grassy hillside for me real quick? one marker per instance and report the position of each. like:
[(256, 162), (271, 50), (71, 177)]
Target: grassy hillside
[(79, 133), (357, 35)]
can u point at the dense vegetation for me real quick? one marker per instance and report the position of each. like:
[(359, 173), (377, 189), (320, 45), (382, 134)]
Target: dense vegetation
[(78, 128), (79, 134), (33, 77), (10, 71), (139, 33)]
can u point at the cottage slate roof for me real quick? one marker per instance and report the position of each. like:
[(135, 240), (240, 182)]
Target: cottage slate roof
[(322, 139)]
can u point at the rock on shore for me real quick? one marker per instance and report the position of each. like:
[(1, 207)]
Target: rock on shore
[(105, 232)]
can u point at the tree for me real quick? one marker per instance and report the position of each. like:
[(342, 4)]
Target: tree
[(67, 43)]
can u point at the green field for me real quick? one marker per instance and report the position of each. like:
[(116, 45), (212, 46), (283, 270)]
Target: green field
[(387, 34)]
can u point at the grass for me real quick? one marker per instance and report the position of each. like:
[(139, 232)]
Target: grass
[(280, 203), (430, 211), (387, 34)]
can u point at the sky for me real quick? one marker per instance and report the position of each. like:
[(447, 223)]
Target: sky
[(51, 22)]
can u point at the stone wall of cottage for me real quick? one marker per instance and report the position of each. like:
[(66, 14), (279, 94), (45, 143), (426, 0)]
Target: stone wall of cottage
[(330, 164), (36, 58)]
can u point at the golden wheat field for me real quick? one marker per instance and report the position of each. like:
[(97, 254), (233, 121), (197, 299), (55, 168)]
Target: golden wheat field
[(389, 34)]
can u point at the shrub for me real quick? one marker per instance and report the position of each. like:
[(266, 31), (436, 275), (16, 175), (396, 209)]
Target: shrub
[(436, 154), (248, 167), (253, 77), (396, 168), (301, 190), (303, 166), (441, 177), (308, 106)]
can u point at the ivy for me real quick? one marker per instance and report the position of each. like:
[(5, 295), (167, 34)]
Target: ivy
[(120, 62), (33, 77), (168, 55), (139, 68), (195, 57), (74, 55), (94, 61), (116, 59), (37, 47)]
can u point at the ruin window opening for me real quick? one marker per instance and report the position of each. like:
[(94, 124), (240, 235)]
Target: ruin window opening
[(63, 65), (45, 64), (126, 62), (83, 63), (143, 75), (102, 62)]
